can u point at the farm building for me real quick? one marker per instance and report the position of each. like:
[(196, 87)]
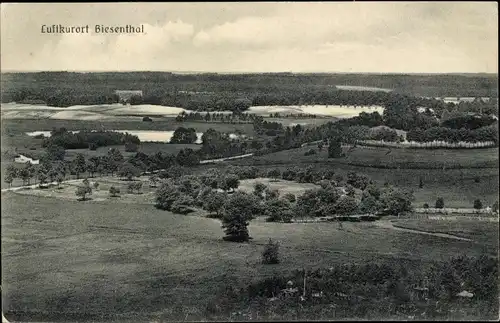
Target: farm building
[(126, 95), (23, 160)]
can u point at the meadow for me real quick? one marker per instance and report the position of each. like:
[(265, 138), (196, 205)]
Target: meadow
[(112, 260), (389, 157)]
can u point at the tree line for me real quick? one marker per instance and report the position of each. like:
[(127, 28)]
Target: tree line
[(88, 139)]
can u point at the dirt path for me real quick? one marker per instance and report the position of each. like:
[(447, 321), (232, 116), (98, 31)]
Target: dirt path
[(388, 225)]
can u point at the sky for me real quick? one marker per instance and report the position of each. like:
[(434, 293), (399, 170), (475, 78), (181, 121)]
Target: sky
[(369, 37)]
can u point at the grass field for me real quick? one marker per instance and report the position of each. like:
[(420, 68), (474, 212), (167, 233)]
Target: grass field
[(112, 257), (390, 158), (282, 186), (481, 231)]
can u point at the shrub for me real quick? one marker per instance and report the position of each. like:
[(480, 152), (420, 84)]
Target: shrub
[(131, 147), (426, 206), (82, 192), (92, 146), (290, 197), (270, 255), (147, 119), (96, 185), (478, 204), (182, 204), (310, 152), (113, 191), (477, 179), (439, 203)]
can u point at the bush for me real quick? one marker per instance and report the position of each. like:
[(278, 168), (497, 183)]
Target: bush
[(270, 255), (439, 203), (131, 147), (310, 152), (92, 146), (426, 206), (182, 204), (113, 191), (147, 119), (290, 197), (478, 204)]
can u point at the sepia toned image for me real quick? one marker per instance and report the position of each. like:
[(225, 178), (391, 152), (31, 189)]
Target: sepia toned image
[(259, 161)]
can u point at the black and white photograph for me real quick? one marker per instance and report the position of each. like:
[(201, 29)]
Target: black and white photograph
[(249, 161)]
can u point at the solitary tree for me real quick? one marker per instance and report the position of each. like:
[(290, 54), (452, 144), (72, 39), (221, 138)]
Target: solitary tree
[(270, 255), (82, 192), (239, 209), (113, 191), (420, 183), (478, 204), (439, 203), (334, 149)]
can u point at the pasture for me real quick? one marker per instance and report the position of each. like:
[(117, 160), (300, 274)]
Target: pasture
[(281, 185), (95, 259), (389, 157), (484, 231)]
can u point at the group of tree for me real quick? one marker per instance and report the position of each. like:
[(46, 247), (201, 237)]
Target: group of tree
[(184, 136), (487, 133), (88, 139)]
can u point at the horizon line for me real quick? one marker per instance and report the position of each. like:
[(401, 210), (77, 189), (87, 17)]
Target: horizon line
[(243, 72)]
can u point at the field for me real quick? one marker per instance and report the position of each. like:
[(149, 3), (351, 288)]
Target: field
[(484, 231), (458, 187), (282, 186), (17, 126), (390, 158), (112, 257)]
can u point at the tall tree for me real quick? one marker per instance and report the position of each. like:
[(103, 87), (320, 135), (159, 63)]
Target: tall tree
[(239, 209)]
